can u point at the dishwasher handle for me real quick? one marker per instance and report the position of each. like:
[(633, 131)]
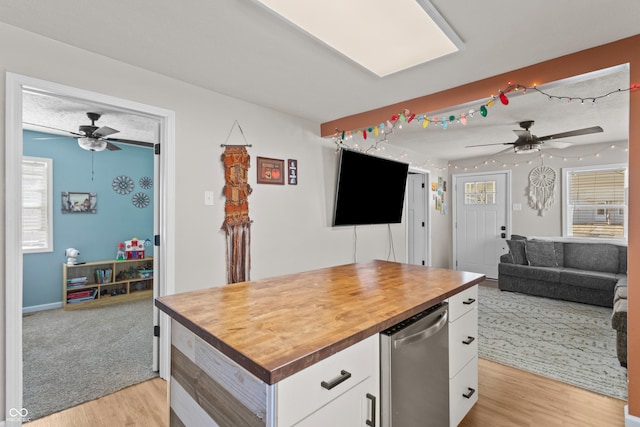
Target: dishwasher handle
[(423, 334)]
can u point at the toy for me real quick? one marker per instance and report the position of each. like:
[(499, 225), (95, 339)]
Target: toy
[(72, 256), (134, 248), (120, 253)]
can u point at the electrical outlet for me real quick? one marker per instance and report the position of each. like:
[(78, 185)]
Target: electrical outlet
[(517, 206)]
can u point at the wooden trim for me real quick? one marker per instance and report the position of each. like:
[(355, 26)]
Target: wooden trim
[(586, 61), (210, 395)]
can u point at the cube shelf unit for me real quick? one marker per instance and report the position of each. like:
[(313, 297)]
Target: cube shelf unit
[(122, 280)]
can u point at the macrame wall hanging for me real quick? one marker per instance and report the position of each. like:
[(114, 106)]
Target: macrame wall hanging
[(237, 224), (542, 186)]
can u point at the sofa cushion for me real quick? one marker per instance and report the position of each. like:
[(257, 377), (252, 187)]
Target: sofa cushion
[(559, 248), (620, 293), (516, 247), (622, 258), (619, 317), (547, 274), (591, 256), (541, 253), (589, 279)]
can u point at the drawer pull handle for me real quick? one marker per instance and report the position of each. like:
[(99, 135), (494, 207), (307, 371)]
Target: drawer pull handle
[(468, 341), (344, 375), (468, 394), (469, 301), (372, 421)]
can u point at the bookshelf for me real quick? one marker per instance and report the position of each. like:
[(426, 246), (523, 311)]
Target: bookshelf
[(106, 282)]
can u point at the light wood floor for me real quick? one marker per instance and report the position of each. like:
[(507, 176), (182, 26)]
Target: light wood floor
[(508, 397)]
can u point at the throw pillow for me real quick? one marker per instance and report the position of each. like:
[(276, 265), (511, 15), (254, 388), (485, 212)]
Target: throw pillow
[(516, 247), (540, 253)]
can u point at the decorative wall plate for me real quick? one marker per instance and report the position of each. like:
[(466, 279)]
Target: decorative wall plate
[(122, 184), (145, 182), (140, 200)]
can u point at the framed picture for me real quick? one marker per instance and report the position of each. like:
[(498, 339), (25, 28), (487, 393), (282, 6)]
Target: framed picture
[(79, 202), (292, 165), (270, 171)]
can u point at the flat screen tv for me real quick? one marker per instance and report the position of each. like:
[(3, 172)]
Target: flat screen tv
[(370, 190)]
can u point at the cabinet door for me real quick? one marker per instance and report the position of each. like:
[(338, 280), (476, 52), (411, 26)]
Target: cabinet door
[(357, 407)]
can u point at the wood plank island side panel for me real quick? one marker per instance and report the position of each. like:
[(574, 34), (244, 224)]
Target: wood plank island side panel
[(278, 326)]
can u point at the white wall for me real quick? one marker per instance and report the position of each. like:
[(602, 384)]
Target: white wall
[(441, 231), (527, 221), (291, 230)]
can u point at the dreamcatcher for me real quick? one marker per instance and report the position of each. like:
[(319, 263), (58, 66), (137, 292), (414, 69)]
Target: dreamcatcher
[(542, 186)]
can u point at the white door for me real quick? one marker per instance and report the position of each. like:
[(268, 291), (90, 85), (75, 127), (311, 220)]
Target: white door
[(481, 223), (417, 220)]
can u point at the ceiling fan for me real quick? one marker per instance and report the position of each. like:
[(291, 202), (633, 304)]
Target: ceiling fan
[(94, 138), (529, 143)]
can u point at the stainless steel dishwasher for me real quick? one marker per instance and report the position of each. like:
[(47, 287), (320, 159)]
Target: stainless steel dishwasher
[(414, 369)]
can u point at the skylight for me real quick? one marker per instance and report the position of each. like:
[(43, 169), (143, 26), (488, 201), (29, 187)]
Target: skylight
[(382, 36)]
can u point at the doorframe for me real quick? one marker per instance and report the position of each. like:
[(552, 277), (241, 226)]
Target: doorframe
[(164, 223), (454, 207), (427, 213)]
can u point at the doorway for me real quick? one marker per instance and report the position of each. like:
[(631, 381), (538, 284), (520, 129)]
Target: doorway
[(418, 219), (164, 177), (482, 221)]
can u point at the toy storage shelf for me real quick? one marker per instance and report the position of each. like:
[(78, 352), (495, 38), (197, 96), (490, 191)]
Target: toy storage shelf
[(106, 282)]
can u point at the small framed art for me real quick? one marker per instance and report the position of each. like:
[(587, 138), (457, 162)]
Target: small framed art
[(79, 202), (270, 171)]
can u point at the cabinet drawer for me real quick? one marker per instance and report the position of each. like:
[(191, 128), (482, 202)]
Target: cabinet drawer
[(303, 393), (465, 383), (461, 303), (463, 341)]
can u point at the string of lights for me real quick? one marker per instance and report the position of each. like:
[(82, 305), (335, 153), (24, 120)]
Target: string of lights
[(492, 162), (396, 121)]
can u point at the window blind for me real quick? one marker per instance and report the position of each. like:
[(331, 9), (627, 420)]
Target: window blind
[(597, 187), (36, 209)]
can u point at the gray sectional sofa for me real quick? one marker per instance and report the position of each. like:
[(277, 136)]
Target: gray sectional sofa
[(590, 273), (572, 271)]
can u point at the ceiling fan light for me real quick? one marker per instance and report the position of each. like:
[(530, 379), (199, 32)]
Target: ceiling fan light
[(92, 144), (526, 148)]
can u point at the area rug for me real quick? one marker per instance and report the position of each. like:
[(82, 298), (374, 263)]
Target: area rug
[(71, 357), (569, 342)]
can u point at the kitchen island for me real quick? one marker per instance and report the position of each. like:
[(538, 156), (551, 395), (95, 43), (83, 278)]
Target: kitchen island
[(250, 353)]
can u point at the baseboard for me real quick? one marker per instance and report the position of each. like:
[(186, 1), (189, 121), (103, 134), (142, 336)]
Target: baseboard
[(629, 420), (41, 307)]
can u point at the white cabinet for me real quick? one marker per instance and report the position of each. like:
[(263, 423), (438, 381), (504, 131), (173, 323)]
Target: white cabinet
[(463, 353), (353, 408), (341, 390)]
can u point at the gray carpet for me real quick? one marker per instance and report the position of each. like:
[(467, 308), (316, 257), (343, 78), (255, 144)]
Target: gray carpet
[(570, 342), (71, 357)]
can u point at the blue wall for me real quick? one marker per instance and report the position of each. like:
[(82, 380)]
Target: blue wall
[(97, 235)]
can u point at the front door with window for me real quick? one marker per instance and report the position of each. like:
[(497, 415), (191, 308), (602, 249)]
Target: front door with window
[(480, 227)]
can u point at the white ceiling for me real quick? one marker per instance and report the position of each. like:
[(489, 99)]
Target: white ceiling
[(238, 48)]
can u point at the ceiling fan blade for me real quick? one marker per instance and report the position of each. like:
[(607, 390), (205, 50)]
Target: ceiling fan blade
[(104, 131), (43, 138), (557, 144), (112, 147), (52, 128), (132, 142), (486, 145), (585, 131)]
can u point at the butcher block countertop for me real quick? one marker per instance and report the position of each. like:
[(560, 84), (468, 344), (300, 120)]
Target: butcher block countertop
[(278, 326)]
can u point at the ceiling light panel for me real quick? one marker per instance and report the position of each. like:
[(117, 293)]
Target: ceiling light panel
[(381, 35)]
